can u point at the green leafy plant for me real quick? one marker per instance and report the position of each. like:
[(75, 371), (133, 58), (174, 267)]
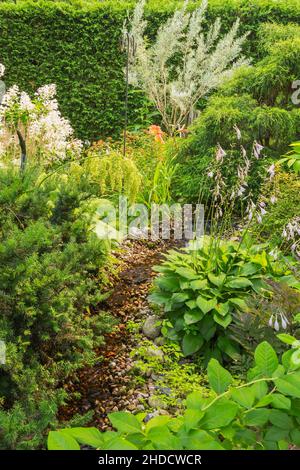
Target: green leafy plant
[(263, 413), (201, 289), (292, 159)]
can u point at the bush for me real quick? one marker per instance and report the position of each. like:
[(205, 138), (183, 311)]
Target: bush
[(45, 41), (258, 101), (263, 414), (279, 214), (51, 274), (201, 289)]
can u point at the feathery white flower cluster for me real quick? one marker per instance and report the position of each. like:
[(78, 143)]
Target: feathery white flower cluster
[(203, 61), (47, 134)]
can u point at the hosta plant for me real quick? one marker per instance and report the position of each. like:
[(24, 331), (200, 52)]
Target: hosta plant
[(201, 289), (262, 414)]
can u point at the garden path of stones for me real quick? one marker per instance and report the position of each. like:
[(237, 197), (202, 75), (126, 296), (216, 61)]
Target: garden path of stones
[(108, 386)]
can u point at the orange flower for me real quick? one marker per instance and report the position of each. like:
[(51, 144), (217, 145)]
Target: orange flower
[(157, 133)]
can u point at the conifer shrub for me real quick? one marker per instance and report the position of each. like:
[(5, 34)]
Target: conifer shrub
[(51, 281)]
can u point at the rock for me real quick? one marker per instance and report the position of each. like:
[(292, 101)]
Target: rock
[(115, 408), (160, 341), (151, 328), (154, 351)]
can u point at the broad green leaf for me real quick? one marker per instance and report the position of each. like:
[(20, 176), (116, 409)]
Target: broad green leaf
[(243, 396), (266, 359), (61, 441), (159, 298), (195, 401), (199, 284), (163, 439), (239, 283), (168, 283), (125, 422), (285, 338), (240, 303), (192, 418), (206, 305), (179, 297), (281, 419), (191, 344), (260, 389), (193, 317), (280, 401), (295, 437), (157, 421), (257, 417), (192, 304), (289, 384), (228, 347), (200, 440), (217, 280), (119, 443), (187, 273), (222, 308), (276, 434), (223, 321), (220, 414), (248, 269), (89, 436), (219, 378)]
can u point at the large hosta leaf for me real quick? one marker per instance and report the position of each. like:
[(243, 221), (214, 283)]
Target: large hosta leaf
[(206, 305), (239, 283), (191, 344)]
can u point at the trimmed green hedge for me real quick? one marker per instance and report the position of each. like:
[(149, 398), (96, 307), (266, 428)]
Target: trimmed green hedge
[(76, 45)]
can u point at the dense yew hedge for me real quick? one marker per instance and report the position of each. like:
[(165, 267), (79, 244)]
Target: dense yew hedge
[(76, 45)]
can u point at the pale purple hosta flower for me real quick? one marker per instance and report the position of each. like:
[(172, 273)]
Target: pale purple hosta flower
[(273, 199), (238, 132), (250, 210), (262, 206), (257, 149), (244, 153), (271, 171), (220, 154), (274, 323), (210, 174), (292, 230)]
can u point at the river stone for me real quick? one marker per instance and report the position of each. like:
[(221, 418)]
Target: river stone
[(151, 328)]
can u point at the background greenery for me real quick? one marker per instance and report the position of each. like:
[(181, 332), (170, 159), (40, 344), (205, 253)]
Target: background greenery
[(77, 46)]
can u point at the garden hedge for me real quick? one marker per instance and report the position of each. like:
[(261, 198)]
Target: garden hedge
[(77, 46)]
